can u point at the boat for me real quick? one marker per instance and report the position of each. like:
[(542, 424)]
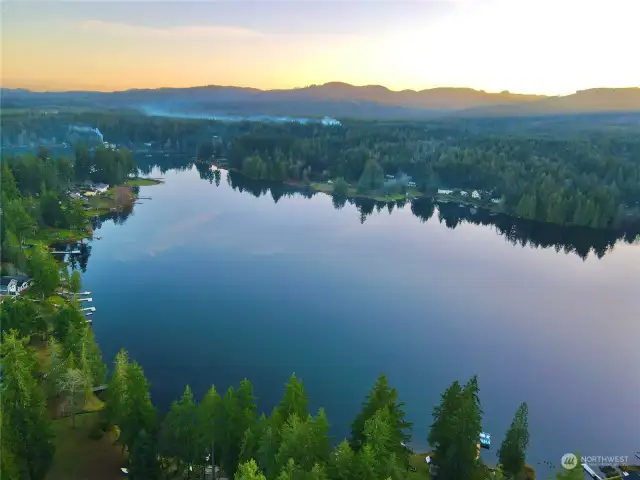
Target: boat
[(485, 440)]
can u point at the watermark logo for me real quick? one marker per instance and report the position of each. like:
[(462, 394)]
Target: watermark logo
[(569, 461)]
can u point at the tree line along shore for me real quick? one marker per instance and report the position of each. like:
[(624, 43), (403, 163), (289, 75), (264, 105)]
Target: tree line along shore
[(557, 171), (56, 424)]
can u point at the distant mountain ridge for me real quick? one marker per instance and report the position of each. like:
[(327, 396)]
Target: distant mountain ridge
[(337, 99)]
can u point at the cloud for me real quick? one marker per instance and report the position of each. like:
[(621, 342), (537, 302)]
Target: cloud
[(114, 28)]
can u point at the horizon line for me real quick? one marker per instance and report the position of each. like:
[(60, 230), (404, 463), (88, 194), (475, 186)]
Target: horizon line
[(106, 90)]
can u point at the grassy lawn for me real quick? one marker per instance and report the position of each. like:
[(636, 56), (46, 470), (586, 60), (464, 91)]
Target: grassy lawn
[(322, 187), (142, 182), (422, 469), (78, 457), (48, 236)]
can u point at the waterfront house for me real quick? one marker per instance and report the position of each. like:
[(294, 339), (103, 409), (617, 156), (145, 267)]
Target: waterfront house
[(401, 180), (411, 184), (444, 192), (495, 200), (100, 188), (14, 285), (464, 193), (475, 194)]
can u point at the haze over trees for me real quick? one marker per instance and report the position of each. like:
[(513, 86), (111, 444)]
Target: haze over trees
[(546, 170)]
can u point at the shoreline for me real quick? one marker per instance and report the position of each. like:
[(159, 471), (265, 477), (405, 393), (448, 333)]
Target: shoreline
[(492, 208), (323, 187), (103, 204)]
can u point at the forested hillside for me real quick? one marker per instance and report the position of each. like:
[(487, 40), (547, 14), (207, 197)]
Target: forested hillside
[(587, 176)]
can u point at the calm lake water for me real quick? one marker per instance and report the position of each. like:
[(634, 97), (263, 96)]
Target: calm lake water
[(206, 284)]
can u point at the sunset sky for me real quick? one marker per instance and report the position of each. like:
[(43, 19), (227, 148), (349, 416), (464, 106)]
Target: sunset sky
[(528, 46)]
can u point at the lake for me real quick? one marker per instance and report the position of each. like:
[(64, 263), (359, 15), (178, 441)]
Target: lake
[(208, 284)]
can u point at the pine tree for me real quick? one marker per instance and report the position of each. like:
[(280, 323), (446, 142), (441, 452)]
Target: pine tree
[(209, 422), (143, 462), (91, 358), (229, 450), (512, 452), (342, 462), (382, 442), (179, 432), (139, 413), (455, 432), (249, 471), (294, 401), (383, 396), (268, 450), (117, 391), (24, 417)]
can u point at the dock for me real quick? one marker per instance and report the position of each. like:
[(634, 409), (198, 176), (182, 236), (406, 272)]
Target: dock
[(89, 299), (590, 472), (79, 293), (89, 309), (64, 252)]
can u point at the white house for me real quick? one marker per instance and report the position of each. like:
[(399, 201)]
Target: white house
[(100, 188), (495, 200), (444, 192), (475, 194), (14, 285), (411, 184), (463, 193)]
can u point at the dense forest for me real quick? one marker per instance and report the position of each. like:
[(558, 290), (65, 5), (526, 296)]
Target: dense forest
[(588, 177), (34, 198), (51, 363)]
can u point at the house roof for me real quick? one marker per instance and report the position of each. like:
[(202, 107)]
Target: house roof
[(5, 280)]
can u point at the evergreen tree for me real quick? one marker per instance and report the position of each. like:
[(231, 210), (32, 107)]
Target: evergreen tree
[(304, 441), (179, 432), (75, 282), (24, 417), (143, 462), (383, 396), (342, 463), (210, 419), (230, 438), (44, 271), (294, 401), (380, 439), (512, 452), (249, 471), (455, 432), (139, 413), (340, 187), (117, 391), (91, 359), (267, 450)]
